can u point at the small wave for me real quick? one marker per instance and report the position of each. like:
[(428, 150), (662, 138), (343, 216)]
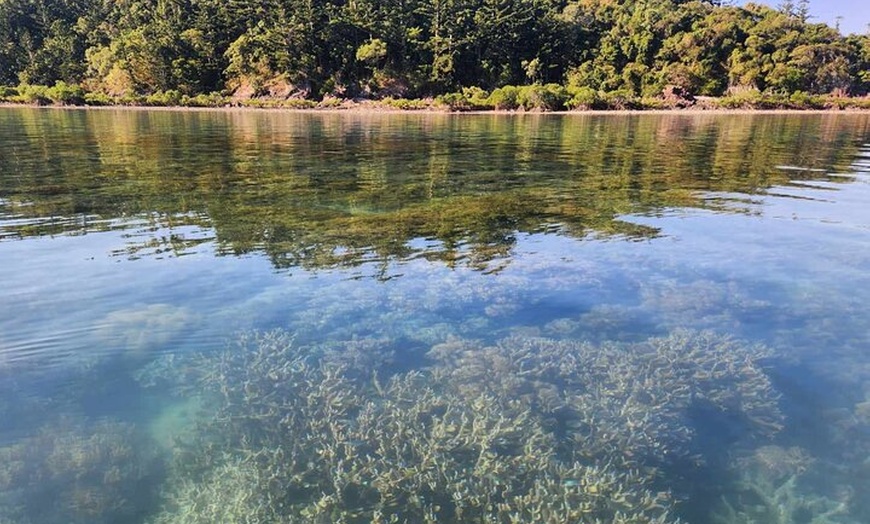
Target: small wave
[(800, 168)]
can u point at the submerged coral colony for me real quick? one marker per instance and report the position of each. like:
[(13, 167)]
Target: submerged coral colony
[(527, 429)]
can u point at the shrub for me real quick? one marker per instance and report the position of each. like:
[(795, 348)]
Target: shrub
[(7, 92), (33, 94), (164, 98), (297, 103), (619, 99), (98, 99), (754, 99), (66, 94), (470, 99), (477, 97), (406, 104), (330, 102), (130, 99), (548, 97), (860, 103), (372, 51), (204, 100), (454, 101), (774, 101), (803, 100), (504, 98), (256, 103), (730, 102), (272, 103), (655, 102), (583, 98), (840, 102)]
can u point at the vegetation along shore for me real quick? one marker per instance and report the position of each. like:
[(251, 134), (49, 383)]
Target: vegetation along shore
[(532, 55)]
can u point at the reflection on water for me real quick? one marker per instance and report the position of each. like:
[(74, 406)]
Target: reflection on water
[(318, 191), (444, 318)]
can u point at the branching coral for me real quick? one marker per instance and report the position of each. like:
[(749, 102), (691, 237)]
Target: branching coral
[(621, 397), (772, 488), (526, 430), (70, 472)]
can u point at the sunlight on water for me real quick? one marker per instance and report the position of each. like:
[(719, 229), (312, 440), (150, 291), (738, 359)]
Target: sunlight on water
[(266, 317)]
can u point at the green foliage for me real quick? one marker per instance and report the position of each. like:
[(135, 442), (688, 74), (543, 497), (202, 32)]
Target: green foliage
[(505, 98), (537, 97), (754, 99), (270, 103), (129, 99), (8, 92), (651, 102), (463, 101), (849, 102), (372, 52), (330, 102), (406, 104), (60, 93), (802, 100), (583, 98), (99, 99), (33, 94), (453, 101), (477, 97), (744, 99), (164, 98), (204, 100), (424, 48), (66, 94), (619, 99)]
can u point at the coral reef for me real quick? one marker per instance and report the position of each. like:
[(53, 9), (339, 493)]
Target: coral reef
[(774, 487), (623, 398), (74, 472), (527, 429)]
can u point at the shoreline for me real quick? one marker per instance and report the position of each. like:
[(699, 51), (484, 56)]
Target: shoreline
[(372, 109)]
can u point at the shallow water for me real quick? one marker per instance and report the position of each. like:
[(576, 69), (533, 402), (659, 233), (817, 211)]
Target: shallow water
[(510, 260)]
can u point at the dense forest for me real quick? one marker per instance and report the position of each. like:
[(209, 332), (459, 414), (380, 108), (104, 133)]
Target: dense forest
[(311, 49)]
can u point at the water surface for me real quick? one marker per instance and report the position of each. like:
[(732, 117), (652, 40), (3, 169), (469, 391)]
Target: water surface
[(231, 316)]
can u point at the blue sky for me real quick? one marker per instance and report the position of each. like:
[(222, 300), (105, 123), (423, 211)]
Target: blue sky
[(855, 13)]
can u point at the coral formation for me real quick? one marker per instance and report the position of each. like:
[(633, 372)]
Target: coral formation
[(72, 472), (527, 429), (772, 488)]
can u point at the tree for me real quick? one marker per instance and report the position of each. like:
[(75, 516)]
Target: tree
[(422, 47)]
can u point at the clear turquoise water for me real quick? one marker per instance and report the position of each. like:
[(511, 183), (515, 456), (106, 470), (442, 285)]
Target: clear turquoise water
[(137, 248)]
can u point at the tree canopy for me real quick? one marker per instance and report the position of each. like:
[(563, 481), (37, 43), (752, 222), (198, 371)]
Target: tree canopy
[(415, 48)]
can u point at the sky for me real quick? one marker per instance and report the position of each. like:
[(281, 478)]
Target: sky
[(855, 13)]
